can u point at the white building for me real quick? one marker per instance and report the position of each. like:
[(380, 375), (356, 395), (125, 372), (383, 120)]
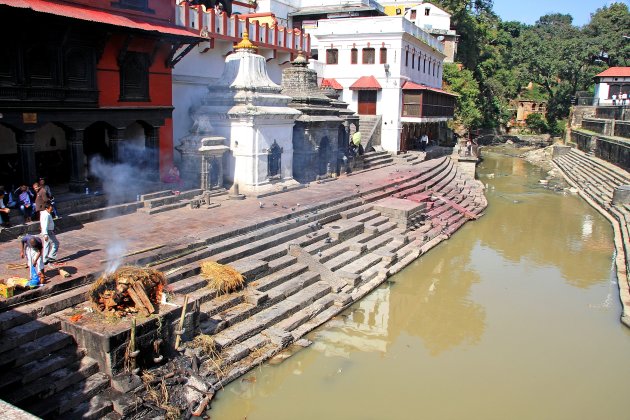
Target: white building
[(437, 22), (389, 67), (614, 81)]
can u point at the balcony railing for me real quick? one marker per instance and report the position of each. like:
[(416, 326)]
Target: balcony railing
[(209, 24)]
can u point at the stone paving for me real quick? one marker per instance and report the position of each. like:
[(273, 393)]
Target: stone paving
[(85, 248)]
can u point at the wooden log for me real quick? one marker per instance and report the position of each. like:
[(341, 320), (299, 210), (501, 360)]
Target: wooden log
[(142, 294), (137, 301)]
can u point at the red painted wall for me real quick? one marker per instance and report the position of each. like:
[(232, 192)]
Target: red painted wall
[(108, 74), (166, 146)]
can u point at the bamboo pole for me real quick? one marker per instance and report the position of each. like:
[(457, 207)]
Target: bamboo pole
[(180, 327)]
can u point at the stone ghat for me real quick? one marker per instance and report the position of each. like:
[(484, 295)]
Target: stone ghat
[(596, 181), (300, 272)]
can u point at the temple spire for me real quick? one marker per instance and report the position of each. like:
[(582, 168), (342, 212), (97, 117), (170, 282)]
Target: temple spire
[(245, 44)]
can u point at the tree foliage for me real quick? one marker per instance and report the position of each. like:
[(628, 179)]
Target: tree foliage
[(464, 84), (558, 57)]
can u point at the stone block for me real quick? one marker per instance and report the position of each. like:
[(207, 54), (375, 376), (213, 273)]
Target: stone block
[(124, 383), (342, 230), (256, 298), (351, 279)]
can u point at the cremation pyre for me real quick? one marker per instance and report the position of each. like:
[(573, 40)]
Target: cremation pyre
[(128, 290)]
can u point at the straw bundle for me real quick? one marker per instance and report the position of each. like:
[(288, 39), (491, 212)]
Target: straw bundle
[(223, 278)]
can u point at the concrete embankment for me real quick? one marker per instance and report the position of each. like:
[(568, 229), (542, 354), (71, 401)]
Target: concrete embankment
[(596, 181), (302, 267)]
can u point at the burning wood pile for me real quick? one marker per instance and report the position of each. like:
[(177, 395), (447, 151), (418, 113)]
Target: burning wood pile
[(128, 290)]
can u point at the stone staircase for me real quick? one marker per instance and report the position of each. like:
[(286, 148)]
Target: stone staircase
[(597, 179), (170, 200), (370, 133), (377, 159), (299, 271)]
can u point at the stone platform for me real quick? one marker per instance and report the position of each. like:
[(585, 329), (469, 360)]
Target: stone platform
[(306, 255)]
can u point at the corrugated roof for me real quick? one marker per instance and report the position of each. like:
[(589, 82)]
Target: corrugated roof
[(366, 83), (615, 72), (333, 83), (93, 15), (414, 86)]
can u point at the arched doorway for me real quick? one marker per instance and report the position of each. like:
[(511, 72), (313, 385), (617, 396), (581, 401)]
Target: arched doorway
[(9, 171), (51, 154), (96, 144), (323, 155)]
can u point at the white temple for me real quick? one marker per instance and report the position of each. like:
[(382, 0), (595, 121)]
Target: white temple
[(245, 107)]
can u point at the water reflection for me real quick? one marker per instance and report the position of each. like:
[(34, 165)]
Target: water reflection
[(552, 228), (514, 317)]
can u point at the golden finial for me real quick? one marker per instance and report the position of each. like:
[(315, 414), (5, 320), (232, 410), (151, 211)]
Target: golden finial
[(245, 43)]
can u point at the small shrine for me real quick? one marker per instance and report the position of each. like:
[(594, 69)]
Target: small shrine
[(319, 135), (246, 109)]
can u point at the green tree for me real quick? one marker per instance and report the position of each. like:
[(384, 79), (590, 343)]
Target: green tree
[(536, 123), (552, 54), (463, 83), (605, 31)]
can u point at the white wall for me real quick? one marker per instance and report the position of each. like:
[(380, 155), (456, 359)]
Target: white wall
[(193, 74), (437, 18)]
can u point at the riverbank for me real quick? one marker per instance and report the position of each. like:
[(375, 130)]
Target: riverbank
[(595, 181), (306, 255)]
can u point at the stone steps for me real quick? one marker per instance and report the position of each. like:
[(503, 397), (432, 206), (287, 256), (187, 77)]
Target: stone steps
[(269, 316), (71, 398), (55, 381)]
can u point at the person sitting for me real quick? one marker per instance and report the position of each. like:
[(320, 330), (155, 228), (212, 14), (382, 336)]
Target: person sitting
[(356, 143), (172, 177), (4, 211), (25, 203)]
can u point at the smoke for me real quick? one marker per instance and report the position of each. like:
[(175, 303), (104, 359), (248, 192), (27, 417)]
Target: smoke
[(121, 183)]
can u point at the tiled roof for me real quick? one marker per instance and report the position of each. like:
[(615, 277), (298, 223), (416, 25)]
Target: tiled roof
[(93, 15), (615, 72), (414, 86), (331, 83), (366, 83)]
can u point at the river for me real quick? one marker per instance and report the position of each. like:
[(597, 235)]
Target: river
[(515, 317)]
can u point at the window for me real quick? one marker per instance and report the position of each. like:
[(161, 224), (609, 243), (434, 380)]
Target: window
[(424, 69), (354, 56), (314, 54), (413, 14), (368, 56), (413, 61), (134, 77), (411, 104), (433, 69), (427, 11), (332, 56), (398, 11), (383, 55), (407, 58)]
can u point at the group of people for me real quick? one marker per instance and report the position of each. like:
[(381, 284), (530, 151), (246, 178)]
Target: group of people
[(621, 99), (30, 201)]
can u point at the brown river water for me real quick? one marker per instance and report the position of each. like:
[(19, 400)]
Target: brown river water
[(515, 317)]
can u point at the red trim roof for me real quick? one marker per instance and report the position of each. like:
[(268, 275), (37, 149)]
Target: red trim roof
[(615, 72), (93, 15), (414, 86), (366, 83), (331, 83)]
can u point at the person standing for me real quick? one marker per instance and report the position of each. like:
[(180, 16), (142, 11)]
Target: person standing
[(4, 211), (424, 142), (614, 99), (51, 243), (356, 142), (31, 247), (41, 198), (51, 197)]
